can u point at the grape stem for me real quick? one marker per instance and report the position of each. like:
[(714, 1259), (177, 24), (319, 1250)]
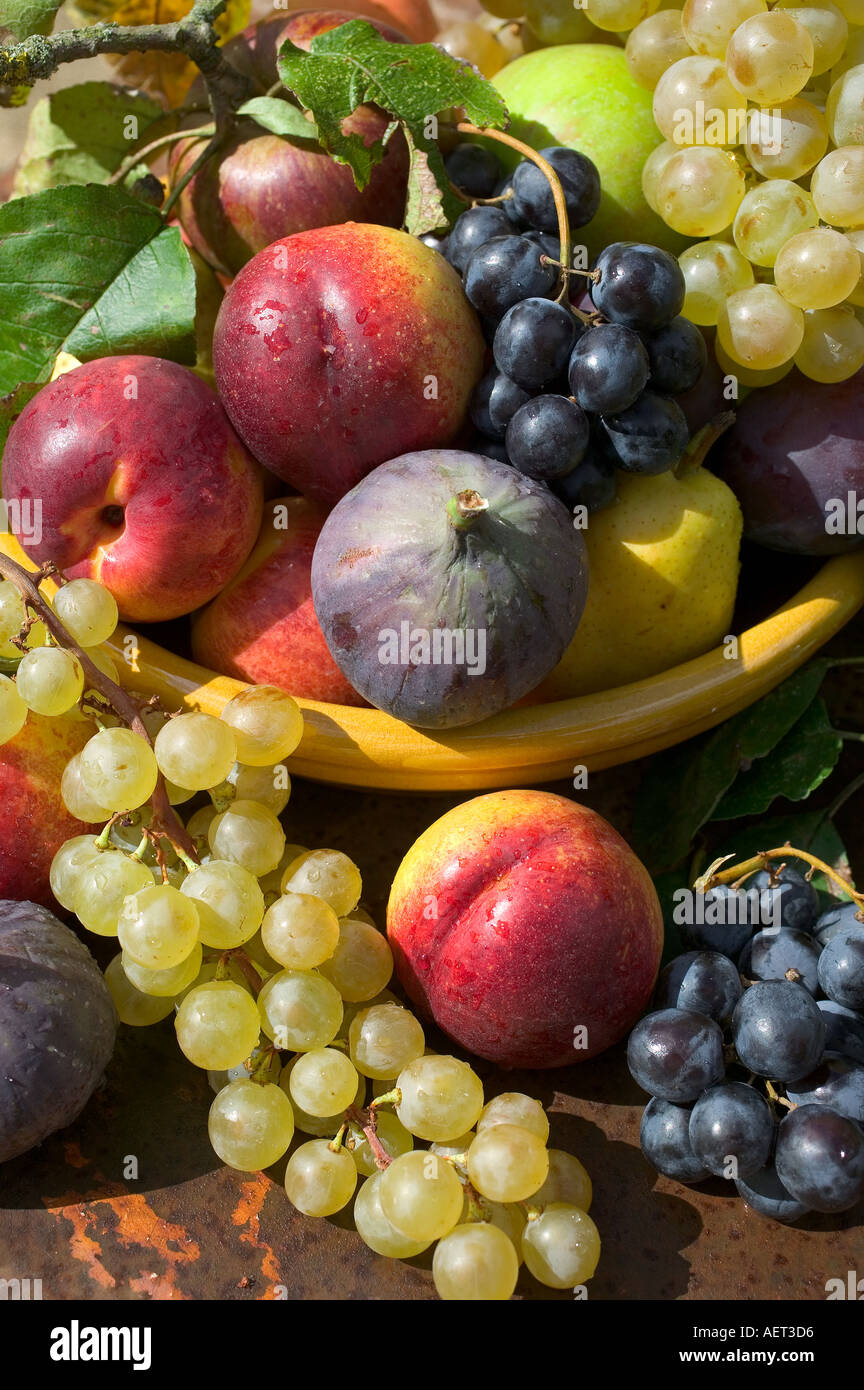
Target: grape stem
[(367, 1120), (738, 873), (242, 961), (487, 132), (164, 824)]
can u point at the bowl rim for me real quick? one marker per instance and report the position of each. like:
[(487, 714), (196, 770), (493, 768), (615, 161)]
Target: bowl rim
[(364, 748)]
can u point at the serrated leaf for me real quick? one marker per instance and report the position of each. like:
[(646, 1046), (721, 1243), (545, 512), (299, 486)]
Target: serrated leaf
[(808, 830), (81, 135), (90, 271), (797, 766), (24, 17), (431, 205), (167, 76), (279, 117), (682, 788), (352, 65)]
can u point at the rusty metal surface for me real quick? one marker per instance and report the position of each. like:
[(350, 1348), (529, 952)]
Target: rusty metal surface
[(188, 1229)]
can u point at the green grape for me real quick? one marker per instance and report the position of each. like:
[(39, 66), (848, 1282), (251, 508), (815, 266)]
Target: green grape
[(267, 724), (118, 769), (421, 1195), (768, 216), (383, 1039), (441, 1097), (362, 962), (712, 271), (217, 1025), (104, 884), (451, 1148), (50, 681), (837, 187), (36, 637), (249, 835), (377, 1230), (200, 821), (164, 983), (74, 795), (327, 874), (475, 1262), (175, 875), (832, 348), (618, 15), (87, 610), (300, 931), (318, 1180), (13, 715), (514, 1108), (709, 24), (844, 111), (507, 9), (507, 1216), (267, 1066), (320, 1126), (652, 170), (271, 884), (66, 868), (769, 58), (853, 55), (137, 1009), (270, 786), (748, 376), (207, 974), (257, 952), (827, 28), (852, 10), (759, 329), (392, 1135), (300, 1010), (323, 1082), (250, 1125), (12, 612), (696, 104), (856, 239), (104, 662), (788, 143), (567, 1181), (817, 269), (195, 750), (158, 926), (561, 1246), (653, 46), (700, 190), (229, 903), (507, 1163)]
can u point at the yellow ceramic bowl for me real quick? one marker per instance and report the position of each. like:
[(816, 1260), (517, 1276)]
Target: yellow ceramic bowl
[(535, 743)]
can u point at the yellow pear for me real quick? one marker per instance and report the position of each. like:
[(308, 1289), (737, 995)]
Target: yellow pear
[(663, 565)]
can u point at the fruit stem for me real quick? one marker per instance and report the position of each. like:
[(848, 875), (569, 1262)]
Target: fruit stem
[(137, 155), (367, 1120), (104, 833), (466, 128), (142, 847), (464, 509), (248, 967), (389, 1098), (703, 440), (739, 872), (335, 1144), (164, 821)]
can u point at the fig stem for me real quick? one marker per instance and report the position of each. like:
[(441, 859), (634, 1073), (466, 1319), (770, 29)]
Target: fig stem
[(466, 128), (464, 509)]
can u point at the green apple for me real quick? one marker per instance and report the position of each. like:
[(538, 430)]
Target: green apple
[(582, 95), (663, 565)]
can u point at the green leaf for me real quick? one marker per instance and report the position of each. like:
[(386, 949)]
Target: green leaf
[(81, 135), (94, 272), (280, 117), (12, 405), (809, 830), (682, 788), (352, 64), (25, 17), (432, 205), (797, 766)]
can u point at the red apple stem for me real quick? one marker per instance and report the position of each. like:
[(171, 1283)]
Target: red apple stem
[(164, 821), (762, 860), (466, 128), (172, 139)]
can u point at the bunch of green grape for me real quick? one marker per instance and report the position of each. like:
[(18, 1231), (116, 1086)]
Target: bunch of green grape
[(762, 114)]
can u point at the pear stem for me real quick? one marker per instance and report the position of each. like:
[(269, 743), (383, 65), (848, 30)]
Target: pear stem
[(702, 442)]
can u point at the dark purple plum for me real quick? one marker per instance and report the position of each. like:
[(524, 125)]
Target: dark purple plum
[(447, 585), (795, 447), (57, 1026)]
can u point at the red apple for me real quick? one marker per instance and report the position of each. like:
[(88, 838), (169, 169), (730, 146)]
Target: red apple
[(262, 627), (34, 823), (412, 17), (263, 187), (526, 927), (141, 481), (343, 347)]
